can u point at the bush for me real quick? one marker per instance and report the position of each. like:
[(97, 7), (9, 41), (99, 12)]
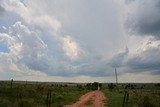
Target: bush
[(93, 86), (111, 86), (59, 97)]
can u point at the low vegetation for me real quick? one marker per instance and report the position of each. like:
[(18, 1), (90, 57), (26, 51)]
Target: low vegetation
[(43, 94), (140, 95), (21, 94)]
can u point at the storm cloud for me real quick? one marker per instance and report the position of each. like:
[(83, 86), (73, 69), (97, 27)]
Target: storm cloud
[(119, 59), (147, 60), (79, 39), (1, 10), (39, 45), (144, 19)]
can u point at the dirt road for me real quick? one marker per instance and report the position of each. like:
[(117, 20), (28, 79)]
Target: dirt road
[(90, 99)]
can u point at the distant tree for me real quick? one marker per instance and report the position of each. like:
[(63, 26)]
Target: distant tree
[(100, 85), (111, 86), (93, 86), (79, 86), (65, 85), (157, 85)]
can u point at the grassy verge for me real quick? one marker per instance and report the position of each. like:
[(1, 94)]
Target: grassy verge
[(114, 99), (137, 98), (66, 97), (35, 95)]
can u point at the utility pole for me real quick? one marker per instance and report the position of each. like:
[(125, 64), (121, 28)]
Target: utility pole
[(116, 76), (11, 83)]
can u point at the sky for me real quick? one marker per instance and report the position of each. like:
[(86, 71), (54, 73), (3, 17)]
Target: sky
[(80, 40)]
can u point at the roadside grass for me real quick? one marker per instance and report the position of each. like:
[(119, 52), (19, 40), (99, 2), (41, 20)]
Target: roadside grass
[(145, 98), (137, 98), (66, 97), (114, 99), (35, 95)]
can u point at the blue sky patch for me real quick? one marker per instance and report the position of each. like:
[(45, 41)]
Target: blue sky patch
[(3, 48)]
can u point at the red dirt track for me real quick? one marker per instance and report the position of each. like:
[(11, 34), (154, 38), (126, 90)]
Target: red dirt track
[(90, 99)]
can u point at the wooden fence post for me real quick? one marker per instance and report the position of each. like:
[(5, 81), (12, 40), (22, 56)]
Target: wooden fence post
[(125, 99), (49, 97)]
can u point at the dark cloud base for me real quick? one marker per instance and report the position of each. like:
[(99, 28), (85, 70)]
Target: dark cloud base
[(145, 21)]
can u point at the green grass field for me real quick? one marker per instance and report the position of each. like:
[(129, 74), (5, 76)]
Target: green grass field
[(39, 94), (35, 94), (148, 96)]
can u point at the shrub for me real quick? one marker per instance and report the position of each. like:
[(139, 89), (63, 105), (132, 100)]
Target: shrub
[(59, 97), (111, 86)]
